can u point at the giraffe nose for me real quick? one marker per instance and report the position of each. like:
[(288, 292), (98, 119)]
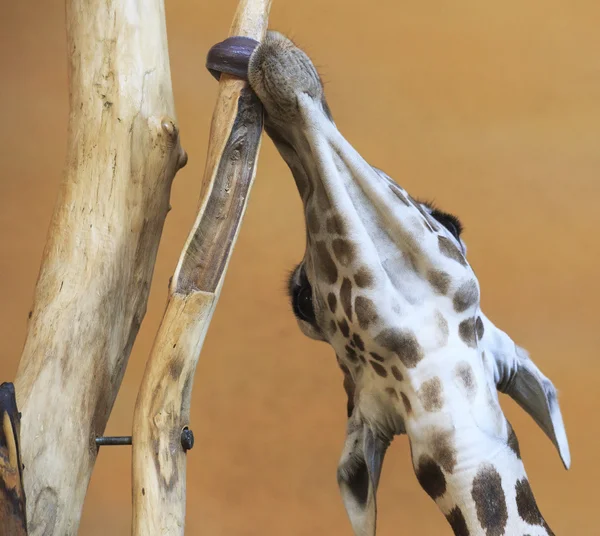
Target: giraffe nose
[(231, 56), (279, 72)]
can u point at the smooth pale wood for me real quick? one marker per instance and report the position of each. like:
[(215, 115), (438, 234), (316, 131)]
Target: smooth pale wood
[(123, 152), (13, 519), (163, 404)]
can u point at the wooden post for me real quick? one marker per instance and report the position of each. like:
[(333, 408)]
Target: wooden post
[(163, 405), (13, 520), (90, 298)]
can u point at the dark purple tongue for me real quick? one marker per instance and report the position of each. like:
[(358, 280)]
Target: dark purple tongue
[(231, 57)]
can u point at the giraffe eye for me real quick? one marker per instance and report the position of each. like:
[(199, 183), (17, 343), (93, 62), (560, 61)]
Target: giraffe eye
[(452, 228), (303, 303), (449, 221), (300, 293)]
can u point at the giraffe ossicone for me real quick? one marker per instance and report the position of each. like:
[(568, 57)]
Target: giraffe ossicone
[(385, 281)]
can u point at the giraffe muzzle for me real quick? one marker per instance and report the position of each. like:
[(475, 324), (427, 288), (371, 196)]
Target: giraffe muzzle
[(280, 73)]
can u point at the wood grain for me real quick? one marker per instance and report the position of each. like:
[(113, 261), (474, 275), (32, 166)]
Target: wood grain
[(163, 403), (122, 154)]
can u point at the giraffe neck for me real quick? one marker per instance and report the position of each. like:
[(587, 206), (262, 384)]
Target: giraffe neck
[(482, 490)]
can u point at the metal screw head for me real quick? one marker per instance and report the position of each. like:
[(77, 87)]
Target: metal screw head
[(187, 439)]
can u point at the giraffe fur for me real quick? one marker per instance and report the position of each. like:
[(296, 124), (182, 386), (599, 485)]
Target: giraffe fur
[(385, 281)]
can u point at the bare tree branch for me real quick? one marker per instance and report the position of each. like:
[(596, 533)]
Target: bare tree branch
[(163, 404), (91, 294)]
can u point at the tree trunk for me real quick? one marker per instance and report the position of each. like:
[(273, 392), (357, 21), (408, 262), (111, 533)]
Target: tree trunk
[(91, 294), (163, 405)]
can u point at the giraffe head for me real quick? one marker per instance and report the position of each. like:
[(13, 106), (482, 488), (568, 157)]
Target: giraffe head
[(385, 281)]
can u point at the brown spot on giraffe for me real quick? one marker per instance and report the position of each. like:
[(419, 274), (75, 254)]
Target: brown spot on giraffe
[(379, 369), (457, 522), (363, 278), (377, 357), (466, 296), (332, 302), (396, 373), (346, 297), (466, 330), (392, 392), (343, 251), (325, 265), (512, 440), (332, 327), (490, 501), (430, 476), (411, 259), (450, 250), (479, 328), (344, 328), (440, 281), (362, 359), (466, 379), (365, 311), (313, 221), (403, 343), (351, 354), (431, 394), (526, 505), (406, 402), (443, 450), (349, 387), (359, 342), (335, 225), (343, 367), (444, 331)]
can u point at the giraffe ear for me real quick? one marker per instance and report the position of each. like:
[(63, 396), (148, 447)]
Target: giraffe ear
[(537, 395), (516, 375), (358, 476)]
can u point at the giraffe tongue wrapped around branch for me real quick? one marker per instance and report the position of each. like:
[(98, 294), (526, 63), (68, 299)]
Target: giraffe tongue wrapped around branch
[(385, 281)]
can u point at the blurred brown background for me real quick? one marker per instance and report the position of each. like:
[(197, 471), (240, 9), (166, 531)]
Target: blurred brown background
[(492, 109)]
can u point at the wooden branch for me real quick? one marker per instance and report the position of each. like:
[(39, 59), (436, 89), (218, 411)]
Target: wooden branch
[(123, 152), (13, 519), (163, 404)]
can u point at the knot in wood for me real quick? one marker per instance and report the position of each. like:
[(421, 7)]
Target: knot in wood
[(187, 439), (169, 127)]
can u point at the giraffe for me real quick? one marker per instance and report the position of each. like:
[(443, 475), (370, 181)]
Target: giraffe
[(385, 282)]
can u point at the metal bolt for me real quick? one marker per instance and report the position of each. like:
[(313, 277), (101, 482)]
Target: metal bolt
[(187, 439), (112, 441)]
